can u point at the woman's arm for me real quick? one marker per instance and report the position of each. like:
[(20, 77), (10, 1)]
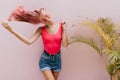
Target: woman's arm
[(64, 35), (28, 41)]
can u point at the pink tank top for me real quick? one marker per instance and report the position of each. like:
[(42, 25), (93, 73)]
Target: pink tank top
[(52, 42)]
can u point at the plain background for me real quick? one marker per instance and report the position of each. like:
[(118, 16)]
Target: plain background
[(19, 61)]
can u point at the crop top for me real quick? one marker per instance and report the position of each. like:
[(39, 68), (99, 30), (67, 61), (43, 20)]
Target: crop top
[(52, 42)]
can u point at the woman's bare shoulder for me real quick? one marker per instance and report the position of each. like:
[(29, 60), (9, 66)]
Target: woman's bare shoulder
[(40, 29)]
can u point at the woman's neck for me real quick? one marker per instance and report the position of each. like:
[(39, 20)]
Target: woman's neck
[(50, 24)]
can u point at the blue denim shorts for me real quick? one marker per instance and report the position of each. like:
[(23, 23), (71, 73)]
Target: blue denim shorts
[(50, 62)]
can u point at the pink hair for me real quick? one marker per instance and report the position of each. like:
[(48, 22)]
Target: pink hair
[(20, 14)]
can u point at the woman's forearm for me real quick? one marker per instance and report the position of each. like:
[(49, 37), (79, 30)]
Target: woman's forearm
[(65, 38), (21, 37), (5, 25), (28, 41)]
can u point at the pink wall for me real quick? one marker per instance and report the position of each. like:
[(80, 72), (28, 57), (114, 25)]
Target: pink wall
[(19, 61)]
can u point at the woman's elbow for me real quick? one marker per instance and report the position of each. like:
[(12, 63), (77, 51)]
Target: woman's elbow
[(65, 44), (28, 43)]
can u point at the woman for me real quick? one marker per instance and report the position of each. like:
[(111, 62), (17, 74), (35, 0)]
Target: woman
[(53, 35)]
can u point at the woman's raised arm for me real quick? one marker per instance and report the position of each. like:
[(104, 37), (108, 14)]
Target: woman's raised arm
[(29, 40), (65, 42)]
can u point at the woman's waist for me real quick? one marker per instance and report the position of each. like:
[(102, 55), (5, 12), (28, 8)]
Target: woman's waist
[(52, 53)]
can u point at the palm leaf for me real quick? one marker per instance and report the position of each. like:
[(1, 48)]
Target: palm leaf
[(114, 56), (106, 38), (106, 24), (110, 69), (90, 42)]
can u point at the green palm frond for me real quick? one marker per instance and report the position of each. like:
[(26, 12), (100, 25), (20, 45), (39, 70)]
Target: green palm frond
[(108, 32), (106, 24), (114, 56), (110, 69), (117, 42), (90, 42), (117, 66), (107, 39)]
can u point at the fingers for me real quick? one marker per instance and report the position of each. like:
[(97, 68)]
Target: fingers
[(5, 24), (64, 23)]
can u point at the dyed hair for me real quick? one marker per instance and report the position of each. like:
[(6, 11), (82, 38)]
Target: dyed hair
[(20, 14)]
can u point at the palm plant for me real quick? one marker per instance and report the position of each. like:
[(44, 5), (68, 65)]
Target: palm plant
[(108, 33)]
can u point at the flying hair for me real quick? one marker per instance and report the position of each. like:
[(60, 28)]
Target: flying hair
[(20, 14)]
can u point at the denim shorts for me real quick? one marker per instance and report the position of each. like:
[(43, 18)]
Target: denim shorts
[(50, 62)]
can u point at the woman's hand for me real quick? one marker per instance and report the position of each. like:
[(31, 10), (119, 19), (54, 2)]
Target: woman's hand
[(64, 24), (64, 34), (5, 25)]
